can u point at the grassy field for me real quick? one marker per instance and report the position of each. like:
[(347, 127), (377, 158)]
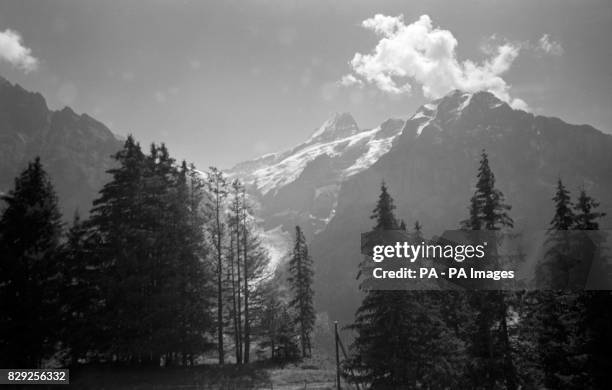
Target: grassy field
[(310, 374)]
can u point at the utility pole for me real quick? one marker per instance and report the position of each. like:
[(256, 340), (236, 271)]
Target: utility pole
[(337, 356)]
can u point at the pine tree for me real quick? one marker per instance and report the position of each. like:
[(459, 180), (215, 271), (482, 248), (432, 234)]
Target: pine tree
[(255, 261), (117, 223), (236, 253), (418, 231), (473, 222), (564, 217), (487, 208), (270, 321), (547, 315), (79, 295), (595, 319), (217, 187), (146, 244), (247, 258), (30, 231), (383, 213), (276, 327), (401, 335), (194, 279), (489, 347), (402, 225), (287, 348), (586, 216), (554, 269), (300, 281)]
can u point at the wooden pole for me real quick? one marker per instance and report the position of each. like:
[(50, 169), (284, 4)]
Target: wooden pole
[(337, 356)]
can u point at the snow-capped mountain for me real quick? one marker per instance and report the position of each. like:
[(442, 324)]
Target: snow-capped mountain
[(349, 148), (300, 186), (431, 171)]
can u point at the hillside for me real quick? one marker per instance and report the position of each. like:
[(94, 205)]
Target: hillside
[(75, 149)]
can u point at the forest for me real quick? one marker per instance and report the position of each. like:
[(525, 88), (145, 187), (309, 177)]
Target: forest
[(168, 269)]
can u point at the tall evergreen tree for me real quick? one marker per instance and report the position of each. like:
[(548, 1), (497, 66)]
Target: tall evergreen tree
[(402, 341), (255, 261), (554, 269), (586, 217), (300, 281), (217, 187), (79, 295), (30, 231), (490, 341), (118, 220), (595, 319), (487, 208), (246, 258), (235, 255), (564, 216), (193, 276), (383, 212), (145, 234), (547, 312)]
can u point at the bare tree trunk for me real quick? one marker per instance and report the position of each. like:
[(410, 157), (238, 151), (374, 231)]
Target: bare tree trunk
[(247, 328), (219, 280), (511, 381), (234, 309), (238, 297)]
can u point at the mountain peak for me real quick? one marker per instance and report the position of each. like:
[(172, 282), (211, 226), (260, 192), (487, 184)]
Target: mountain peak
[(457, 107), (458, 100), (340, 125)]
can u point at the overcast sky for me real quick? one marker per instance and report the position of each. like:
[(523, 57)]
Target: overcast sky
[(225, 81)]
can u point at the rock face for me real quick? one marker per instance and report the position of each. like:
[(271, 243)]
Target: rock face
[(74, 149), (430, 170)]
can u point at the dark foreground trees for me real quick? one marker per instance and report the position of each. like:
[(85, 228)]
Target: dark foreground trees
[(132, 284), (402, 339), (300, 282), (30, 279), (549, 338), (489, 347), (146, 237), (568, 325)]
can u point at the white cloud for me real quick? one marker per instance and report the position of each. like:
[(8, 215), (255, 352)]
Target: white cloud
[(349, 79), (419, 54), (13, 51), (548, 46)]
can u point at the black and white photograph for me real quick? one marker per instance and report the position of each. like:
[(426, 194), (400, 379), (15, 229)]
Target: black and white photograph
[(320, 194)]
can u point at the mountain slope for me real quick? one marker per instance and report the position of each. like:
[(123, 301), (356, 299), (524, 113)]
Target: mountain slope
[(74, 149), (300, 186), (431, 170)]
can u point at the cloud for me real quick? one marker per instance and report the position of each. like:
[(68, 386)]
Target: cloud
[(548, 46), (419, 54), (349, 79), (13, 51)]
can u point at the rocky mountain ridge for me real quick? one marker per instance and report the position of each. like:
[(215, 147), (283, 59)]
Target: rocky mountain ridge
[(75, 149)]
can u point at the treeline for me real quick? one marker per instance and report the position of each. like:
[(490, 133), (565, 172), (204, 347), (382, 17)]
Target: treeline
[(168, 266), (554, 339)]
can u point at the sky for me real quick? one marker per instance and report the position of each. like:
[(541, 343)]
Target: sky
[(225, 81)]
